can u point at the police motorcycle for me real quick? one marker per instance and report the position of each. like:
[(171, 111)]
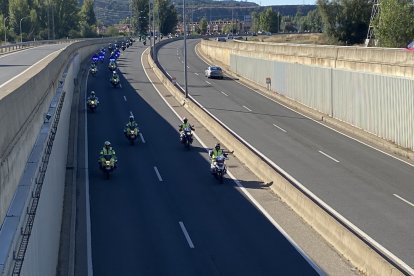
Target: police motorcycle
[(93, 69), (95, 58), (219, 167), (107, 164), (186, 137), (131, 134), (112, 65), (101, 56), (92, 104), (114, 79)]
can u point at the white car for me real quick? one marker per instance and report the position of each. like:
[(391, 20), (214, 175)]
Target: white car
[(214, 72)]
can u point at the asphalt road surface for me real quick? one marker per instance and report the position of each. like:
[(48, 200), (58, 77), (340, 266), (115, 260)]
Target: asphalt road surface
[(161, 212), (371, 189), (13, 64)]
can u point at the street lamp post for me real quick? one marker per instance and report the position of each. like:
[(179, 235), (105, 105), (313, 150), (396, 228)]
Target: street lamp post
[(21, 35), (5, 30), (185, 52)]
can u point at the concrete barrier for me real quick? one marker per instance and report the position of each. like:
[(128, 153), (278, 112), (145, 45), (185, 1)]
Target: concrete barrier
[(368, 256), (41, 184), (384, 61)]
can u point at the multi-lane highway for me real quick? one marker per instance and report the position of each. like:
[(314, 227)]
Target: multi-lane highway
[(161, 212), (371, 189), (13, 64)]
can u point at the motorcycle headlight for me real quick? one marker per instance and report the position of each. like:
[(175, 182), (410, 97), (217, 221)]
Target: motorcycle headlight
[(107, 163)]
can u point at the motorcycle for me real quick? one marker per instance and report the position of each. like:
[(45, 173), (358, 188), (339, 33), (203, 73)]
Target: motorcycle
[(92, 105), (114, 82), (101, 57), (95, 59), (112, 66), (93, 71), (219, 168), (107, 165), (187, 137), (132, 135)]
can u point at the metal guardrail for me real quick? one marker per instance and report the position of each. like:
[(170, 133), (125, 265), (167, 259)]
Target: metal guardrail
[(12, 47), (388, 256)]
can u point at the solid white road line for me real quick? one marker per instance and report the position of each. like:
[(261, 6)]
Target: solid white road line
[(279, 128), (131, 114), (120, 85), (247, 108), (330, 157), (224, 93), (142, 137), (87, 207), (125, 98), (208, 82), (158, 174), (187, 237), (403, 199)]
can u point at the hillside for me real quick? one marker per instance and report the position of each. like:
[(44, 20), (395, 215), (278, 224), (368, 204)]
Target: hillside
[(112, 11)]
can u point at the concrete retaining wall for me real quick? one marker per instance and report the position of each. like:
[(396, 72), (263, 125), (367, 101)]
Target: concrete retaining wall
[(25, 104)]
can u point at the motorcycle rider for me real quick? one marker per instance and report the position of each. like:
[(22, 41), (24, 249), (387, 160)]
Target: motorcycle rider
[(107, 150), (114, 76), (131, 125), (93, 67), (183, 126), (92, 97), (217, 151)]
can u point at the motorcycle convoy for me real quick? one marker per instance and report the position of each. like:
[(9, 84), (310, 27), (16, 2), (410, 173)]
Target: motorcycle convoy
[(107, 159)]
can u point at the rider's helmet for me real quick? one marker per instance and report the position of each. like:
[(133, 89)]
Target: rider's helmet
[(107, 144), (185, 120), (93, 93), (217, 146), (131, 118)]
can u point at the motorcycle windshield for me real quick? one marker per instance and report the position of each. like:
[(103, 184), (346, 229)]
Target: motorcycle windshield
[(107, 157), (220, 159)]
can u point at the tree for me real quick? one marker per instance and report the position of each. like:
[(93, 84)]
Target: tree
[(255, 22), (140, 19), (87, 14), (203, 25), (394, 26), (66, 18), (167, 16), (345, 20), (87, 17), (18, 9)]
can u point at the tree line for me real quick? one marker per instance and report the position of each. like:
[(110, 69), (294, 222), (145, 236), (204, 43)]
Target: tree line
[(50, 19), (165, 16)]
